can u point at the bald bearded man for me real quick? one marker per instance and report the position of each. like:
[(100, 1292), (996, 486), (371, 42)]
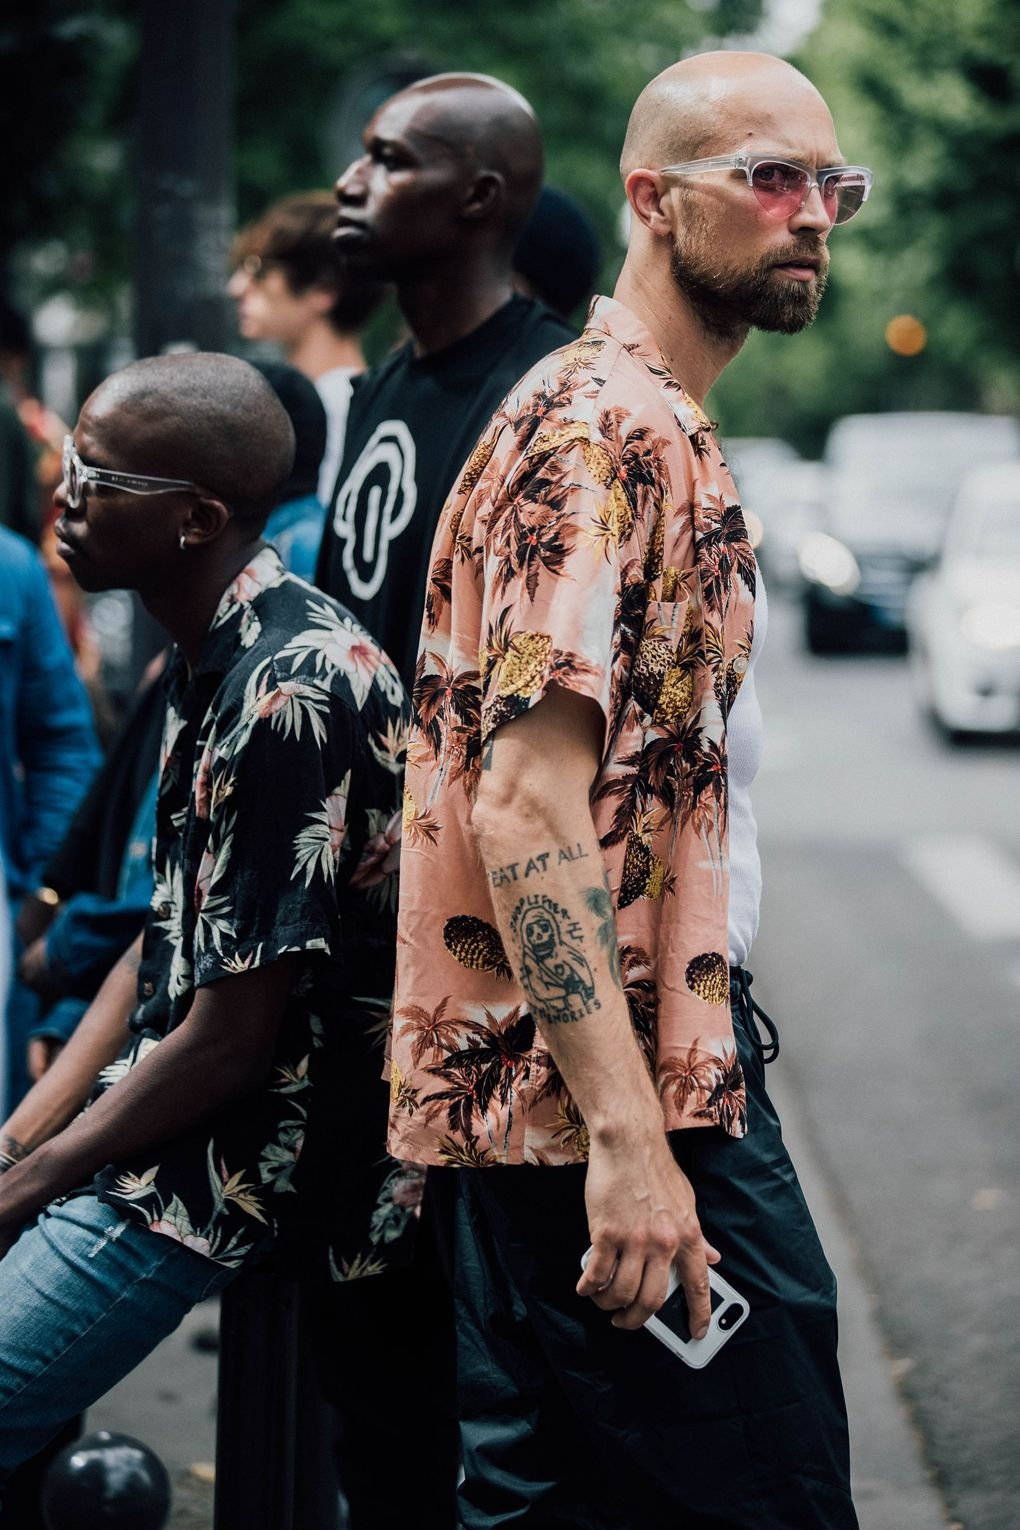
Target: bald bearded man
[(242, 1029), (451, 170), (585, 737)]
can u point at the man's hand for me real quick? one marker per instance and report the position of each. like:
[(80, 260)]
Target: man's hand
[(11, 1153), (42, 1051), (380, 857), (34, 919), (641, 1220), (8, 1237), (34, 970)]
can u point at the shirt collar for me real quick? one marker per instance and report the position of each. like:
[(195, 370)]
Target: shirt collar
[(622, 325), (236, 624)]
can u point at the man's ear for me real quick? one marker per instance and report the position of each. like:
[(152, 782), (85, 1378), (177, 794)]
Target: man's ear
[(486, 192), (206, 520), (648, 195), (322, 298)]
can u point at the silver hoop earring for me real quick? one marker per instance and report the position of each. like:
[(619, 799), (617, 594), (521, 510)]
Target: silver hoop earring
[(182, 544)]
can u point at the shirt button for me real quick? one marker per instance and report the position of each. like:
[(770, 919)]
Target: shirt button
[(148, 989), (163, 910)]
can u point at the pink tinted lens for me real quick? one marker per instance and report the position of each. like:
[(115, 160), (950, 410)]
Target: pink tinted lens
[(780, 189), (843, 195)]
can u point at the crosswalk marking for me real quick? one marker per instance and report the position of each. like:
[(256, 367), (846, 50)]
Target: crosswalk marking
[(974, 882)]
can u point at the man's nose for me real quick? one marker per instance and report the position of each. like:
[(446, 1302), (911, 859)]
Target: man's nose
[(60, 499), (350, 186), (237, 283), (811, 213)]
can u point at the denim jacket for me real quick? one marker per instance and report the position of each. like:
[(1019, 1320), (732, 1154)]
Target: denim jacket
[(48, 748)]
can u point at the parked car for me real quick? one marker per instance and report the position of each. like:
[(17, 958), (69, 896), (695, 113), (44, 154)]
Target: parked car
[(793, 513), (757, 464), (891, 479), (963, 617)]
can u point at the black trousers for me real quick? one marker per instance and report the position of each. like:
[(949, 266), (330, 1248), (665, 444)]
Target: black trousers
[(385, 1352), (570, 1424)]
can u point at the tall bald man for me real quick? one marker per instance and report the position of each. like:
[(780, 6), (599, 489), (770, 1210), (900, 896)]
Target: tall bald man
[(575, 1050), (451, 169), (220, 1052)]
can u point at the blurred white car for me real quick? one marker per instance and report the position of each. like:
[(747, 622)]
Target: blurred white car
[(890, 484), (757, 464), (963, 616), (793, 514)]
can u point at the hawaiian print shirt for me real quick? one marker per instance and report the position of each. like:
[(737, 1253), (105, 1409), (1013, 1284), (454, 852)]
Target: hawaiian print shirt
[(595, 541), (282, 752)]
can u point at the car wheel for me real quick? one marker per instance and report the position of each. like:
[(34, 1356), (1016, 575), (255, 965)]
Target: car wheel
[(920, 666), (820, 634)]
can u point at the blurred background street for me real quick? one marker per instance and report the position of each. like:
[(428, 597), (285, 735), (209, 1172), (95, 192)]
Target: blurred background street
[(889, 954), (878, 460)]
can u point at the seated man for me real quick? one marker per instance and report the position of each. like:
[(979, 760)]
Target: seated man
[(260, 971), (99, 882)]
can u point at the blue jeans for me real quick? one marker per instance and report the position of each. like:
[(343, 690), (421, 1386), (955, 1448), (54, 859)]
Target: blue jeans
[(84, 1297)]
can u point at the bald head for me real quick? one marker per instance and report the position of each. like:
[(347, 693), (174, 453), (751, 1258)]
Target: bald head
[(201, 416), (716, 103), (492, 128)]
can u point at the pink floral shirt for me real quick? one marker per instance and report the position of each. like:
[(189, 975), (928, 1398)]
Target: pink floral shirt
[(595, 540)]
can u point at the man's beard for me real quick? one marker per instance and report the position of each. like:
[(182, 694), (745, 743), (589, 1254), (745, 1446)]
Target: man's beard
[(730, 302)]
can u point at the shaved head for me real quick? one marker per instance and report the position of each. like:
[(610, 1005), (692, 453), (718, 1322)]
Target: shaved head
[(201, 416), (714, 103), (492, 127)]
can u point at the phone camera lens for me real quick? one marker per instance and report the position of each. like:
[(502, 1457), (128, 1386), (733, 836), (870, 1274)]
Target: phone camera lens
[(729, 1316)]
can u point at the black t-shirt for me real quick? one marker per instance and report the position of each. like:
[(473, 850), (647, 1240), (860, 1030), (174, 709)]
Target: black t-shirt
[(412, 425)]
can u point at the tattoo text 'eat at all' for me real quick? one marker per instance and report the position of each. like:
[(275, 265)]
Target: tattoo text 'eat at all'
[(535, 865)]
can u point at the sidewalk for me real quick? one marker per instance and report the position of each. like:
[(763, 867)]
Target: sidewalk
[(891, 1483), (170, 1401)]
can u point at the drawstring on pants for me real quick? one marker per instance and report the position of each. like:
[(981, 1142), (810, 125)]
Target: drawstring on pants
[(742, 998)]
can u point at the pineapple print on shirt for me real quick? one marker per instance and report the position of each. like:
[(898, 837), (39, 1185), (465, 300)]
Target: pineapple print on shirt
[(595, 541)]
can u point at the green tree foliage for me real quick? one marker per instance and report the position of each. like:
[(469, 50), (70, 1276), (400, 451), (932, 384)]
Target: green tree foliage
[(580, 62), (65, 111), (928, 93), (308, 72)]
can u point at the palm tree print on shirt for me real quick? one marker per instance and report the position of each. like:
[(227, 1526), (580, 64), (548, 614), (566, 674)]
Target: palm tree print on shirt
[(594, 541)]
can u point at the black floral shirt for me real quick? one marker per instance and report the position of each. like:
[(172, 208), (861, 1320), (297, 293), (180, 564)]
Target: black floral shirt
[(282, 752)]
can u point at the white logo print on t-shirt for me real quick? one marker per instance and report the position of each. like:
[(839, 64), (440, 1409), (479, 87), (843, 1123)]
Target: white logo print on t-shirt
[(375, 504)]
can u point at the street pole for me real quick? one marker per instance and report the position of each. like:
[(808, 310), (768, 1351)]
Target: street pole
[(185, 184), (185, 174)]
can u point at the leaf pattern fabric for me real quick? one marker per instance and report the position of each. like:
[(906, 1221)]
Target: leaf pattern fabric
[(282, 753), (595, 541)]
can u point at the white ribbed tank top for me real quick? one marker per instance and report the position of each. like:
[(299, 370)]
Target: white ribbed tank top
[(745, 737)]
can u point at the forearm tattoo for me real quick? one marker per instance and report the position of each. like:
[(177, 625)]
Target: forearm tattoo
[(600, 905), (548, 940), (554, 971), (535, 865)]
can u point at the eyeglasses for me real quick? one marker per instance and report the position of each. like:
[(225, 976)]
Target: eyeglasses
[(782, 186), (78, 475), (258, 266)]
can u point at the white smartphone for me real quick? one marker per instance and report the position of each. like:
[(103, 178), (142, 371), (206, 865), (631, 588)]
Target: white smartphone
[(670, 1323)]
